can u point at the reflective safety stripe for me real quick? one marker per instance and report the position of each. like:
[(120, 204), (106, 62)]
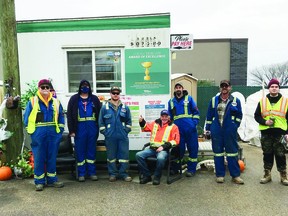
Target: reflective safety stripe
[(39, 177), (123, 161), (165, 137), (33, 115), (51, 174), (231, 154), (278, 111), (182, 116), (227, 154), (266, 111), (86, 119), (192, 159), (90, 161), (102, 128), (219, 154), (185, 115), (111, 161), (91, 118), (81, 163), (238, 120)]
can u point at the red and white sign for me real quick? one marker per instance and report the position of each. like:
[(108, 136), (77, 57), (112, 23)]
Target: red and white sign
[(181, 42)]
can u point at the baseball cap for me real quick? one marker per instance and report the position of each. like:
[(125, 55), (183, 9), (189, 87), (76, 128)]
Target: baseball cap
[(164, 112), (115, 88), (179, 83), (225, 82), (44, 81)]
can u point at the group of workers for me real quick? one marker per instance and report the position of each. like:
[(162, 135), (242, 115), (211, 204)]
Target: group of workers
[(177, 126)]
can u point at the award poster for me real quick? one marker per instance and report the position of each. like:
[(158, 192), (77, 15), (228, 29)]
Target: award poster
[(147, 71)]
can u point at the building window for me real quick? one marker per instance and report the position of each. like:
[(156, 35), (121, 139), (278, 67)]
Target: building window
[(102, 68)]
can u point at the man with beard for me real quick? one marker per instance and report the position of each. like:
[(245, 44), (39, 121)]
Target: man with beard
[(272, 116), (185, 114), (223, 118), (115, 124)]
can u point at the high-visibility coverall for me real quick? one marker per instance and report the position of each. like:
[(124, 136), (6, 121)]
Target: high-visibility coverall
[(186, 116), (45, 123), (115, 126), (224, 138), (160, 134)]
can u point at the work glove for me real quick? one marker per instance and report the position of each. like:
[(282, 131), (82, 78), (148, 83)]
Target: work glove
[(166, 145), (208, 135)]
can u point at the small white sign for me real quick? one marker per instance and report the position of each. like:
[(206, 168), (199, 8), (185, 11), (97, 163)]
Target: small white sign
[(181, 42)]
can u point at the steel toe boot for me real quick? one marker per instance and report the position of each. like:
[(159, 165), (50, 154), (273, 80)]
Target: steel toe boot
[(238, 180), (267, 177), (283, 176)]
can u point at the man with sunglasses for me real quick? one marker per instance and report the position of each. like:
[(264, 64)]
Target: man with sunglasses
[(272, 116), (82, 118), (44, 121), (115, 124), (223, 118)]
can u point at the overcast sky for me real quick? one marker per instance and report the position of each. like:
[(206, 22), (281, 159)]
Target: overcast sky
[(263, 22)]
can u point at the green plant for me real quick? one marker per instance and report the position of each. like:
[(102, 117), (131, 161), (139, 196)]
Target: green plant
[(30, 92), (23, 167)]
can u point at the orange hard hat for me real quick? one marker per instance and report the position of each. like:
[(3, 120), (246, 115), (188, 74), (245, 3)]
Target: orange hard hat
[(241, 165)]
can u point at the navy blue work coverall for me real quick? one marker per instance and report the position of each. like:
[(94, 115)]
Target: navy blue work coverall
[(115, 126), (224, 138), (45, 139), (82, 116), (186, 115)]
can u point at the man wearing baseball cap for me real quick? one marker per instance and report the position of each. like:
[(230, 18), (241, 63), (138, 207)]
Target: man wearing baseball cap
[(222, 121), (272, 116), (164, 135), (44, 121), (115, 124)]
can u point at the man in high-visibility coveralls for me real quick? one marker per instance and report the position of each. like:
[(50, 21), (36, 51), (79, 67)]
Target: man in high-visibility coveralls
[(164, 135), (223, 118), (44, 121), (115, 124), (185, 114), (82, 118)]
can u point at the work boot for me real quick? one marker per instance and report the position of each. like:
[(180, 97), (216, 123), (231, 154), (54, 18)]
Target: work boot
[(190, 174), (127, 179), (220, 179), (267, 177), (238, 180), (283, 176), (145, 179), (94, 178), (112, 179), (81, 179), (156, 180), (57, 184), (39, 187)]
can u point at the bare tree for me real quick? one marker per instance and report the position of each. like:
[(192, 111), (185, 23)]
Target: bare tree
[(266, 73)]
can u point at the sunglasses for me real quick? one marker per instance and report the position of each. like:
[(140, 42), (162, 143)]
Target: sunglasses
[(115, 93), (44, 87), (224, 86)]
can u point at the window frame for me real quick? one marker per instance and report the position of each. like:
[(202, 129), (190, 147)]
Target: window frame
[(93, 50)]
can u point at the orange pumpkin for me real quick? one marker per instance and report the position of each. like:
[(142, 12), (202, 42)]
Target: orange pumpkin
[(241, 165), (5, 173)]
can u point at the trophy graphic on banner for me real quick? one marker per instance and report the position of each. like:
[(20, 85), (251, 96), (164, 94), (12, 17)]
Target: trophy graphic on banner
[(146, 65)]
